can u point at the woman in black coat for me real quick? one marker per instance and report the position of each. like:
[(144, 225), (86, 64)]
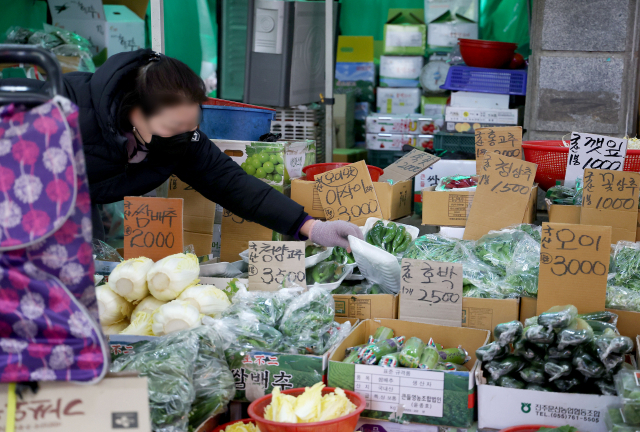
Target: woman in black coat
[(139, 114)]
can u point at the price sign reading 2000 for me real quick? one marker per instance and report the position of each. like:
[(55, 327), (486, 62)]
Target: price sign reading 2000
[(574, 263), (347, 193)]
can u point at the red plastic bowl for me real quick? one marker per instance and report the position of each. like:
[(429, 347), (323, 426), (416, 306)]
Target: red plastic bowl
[(526, 428), (224, 426), (487, 54), (347, 423), (312, 170)]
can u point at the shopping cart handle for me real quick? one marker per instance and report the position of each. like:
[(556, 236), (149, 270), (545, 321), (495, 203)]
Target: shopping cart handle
[(24, 93)]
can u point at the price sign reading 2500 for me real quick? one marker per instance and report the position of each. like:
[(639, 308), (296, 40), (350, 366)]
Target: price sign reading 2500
[(347, 193)]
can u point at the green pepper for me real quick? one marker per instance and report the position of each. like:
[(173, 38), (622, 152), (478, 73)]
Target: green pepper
[(375, 289), (398, 239), (405, 243), (323, 271), (376, 233), (389, 234)]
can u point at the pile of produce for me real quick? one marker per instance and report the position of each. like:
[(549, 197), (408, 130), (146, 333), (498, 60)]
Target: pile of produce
[(625, 416), (188, 377), (266, 165), (153, 299), (558, 350), (242, 427), (385, 350), (501, 264), (457, 182), (310, 407), (564, 195), (325, 272), (391, 238)]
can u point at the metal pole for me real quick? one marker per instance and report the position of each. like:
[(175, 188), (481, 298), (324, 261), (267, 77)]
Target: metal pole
[(328, 80), (157, 26)]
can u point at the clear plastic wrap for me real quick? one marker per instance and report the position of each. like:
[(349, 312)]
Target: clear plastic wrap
[(562, 195), (168, 363), (522, 271), (435, 247), (619, 297), (626, 263), (497, 248), (458, 182), (18, 35)]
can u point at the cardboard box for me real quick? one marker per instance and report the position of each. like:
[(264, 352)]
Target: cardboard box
[(236, 150), (452, 208), (402, 124), (366, 306), (400, 71), (236, 233), (481, 115), (528, 307), (571, 214), (112, 27), (446, 34), (355, 70), (201, 242), (434, 9), (139, 7), (464, 99), (384, 388), (352, 321), (394, 200), (628, 323), (432, 175), (405, 39), (487, 313), (386, 141), (501, 407), (117, 402), (398, 101)]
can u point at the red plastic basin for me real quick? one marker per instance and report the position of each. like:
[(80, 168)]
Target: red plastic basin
[(343, 424), (312, 170), (486, 54)]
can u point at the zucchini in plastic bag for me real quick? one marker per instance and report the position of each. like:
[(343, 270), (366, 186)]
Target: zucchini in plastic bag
[(504, 367), (429, 358), (507, 333), (558, 317), (539, 334)]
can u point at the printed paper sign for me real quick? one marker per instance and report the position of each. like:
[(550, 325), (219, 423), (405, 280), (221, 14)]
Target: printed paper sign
[(502, 195), (431, 292), (347, 193), (274, 264), (610, 198), (152, 227), (294, 163), (420, 392), (593, 151), (574, 262), (506, 141), (409, 166)]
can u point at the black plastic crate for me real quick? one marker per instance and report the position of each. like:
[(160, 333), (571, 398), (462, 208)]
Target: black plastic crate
[(383, 158), (454, 142)]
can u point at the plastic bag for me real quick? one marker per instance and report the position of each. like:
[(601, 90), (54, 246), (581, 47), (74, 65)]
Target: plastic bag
[(626, 263), (213, 381), (558, 317), (457, 183), (499, 368), (507, 333), (435, 247), (620, 297), (497, 248), (374, 353), (562, 195), (306, 319), (411, 352), (533, 375), (522, 271), (491, 351), (18, 35), (168, 363), (557, 369)]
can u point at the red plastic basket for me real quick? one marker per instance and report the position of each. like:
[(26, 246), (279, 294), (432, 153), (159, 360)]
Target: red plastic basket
[(526, 428), (551, 158), (224, 426), (342, 424), (313, 170)]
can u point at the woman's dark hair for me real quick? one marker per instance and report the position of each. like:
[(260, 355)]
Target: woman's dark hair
[(162, 82)]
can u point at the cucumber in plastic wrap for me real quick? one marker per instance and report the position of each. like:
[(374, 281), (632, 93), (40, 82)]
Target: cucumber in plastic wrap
[(510, 382), (557, 369), (504, 367), (429, 358), (539, 334), (390, 360), (491, 351), (558, 317), (507, 333), (411, 352), (533, 375)]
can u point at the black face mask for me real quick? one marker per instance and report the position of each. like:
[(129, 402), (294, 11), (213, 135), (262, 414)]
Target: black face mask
[(171, 149)]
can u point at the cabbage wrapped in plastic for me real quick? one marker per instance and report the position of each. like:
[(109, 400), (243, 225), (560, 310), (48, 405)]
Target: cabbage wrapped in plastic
[(499, 368), (169, 367), (558, 317)]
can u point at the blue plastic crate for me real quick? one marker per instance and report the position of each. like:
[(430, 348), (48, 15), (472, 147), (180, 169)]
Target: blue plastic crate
[(236, 122), (483, 80)]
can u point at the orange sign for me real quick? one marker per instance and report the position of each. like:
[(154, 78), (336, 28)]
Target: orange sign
[(152, 227)]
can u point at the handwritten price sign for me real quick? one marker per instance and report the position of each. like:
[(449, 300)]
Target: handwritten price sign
[(409, 166), (505, 184), (593, 151), (574, 262), (152, 227), (273, 265), (431, 292), (347, 193), (506, 141), (610, 198)]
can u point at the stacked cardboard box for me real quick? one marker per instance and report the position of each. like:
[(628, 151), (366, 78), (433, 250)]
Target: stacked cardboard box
[(393, 131)]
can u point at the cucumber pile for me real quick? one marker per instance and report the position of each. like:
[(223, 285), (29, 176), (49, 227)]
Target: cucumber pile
[(385, 350), (559, 350)]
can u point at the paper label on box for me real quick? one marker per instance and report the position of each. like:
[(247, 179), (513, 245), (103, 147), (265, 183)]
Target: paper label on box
[(152, 227), (400, 38), (294, 162), (505, 184), (506, 141), (610, 198), (274, 263), (431, 292), (420, 392), (574, 258), (347, 193), (408, 166), (593, 151)]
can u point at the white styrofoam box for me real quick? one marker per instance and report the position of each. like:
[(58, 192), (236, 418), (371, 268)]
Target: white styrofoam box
[(389, 141), (398, 100), (447, 34), (436, 8), (501, 407), (406, 67), (402, 123), (82, 10), (118, 31), (481, 115), (452, 232), (463, 99), (443, 168)]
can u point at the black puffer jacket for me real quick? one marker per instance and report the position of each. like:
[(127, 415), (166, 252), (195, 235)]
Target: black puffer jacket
[(203, 166)]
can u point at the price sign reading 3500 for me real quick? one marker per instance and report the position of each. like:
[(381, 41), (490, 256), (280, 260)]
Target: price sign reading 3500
[(273, 265)]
